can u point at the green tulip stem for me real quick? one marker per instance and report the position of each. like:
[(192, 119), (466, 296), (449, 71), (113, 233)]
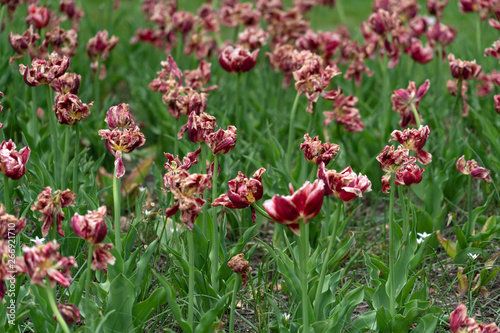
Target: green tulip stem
[(65, 157), (53, 131), (88, 311), (392, 291), (261, 211), (415, 114), (237, 285), (214, 255), (117, 211), (469, 206), (75, 160), (331, 245), (6, 194), (191, 277), (53, 306), (291, 132), (402, 199), (304, 244), (204, 154)]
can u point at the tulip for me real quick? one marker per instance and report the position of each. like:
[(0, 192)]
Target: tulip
[(345, 185), (12, 162), (198, 127), (303, 204), (10, 226), (316, 152), (463, 70), (414, 140), (222, 141), (238, 59), (471, 168), (51, 208), (69, 312), (45, 261), (69, 109), (406, 102)]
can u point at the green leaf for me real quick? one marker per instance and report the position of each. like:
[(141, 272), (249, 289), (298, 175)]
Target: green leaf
[(142, 311), (365, 322), (142, 266), (121, 299), (174, 306), (210, 319)]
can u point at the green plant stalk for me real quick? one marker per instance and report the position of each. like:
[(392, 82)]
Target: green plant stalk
[(392, 291), (65, 157), (237, 285), (6, 194), (331, 244), (478, 36), (53, 130), (291, 132), (415, 114), (97, 87), (214, 255), (191, 277), (406, 227), (87, 285), (75, 161), (469, 206), (204, 168), (117, 211), (304, 243), (340, 11), (53, 306), (238, 111)]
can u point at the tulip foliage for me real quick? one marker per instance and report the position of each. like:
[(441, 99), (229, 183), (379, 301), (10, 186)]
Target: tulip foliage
[(266, 166)]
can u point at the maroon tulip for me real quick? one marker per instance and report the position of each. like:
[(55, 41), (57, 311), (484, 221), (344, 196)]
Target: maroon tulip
[(409, 175), (92, 226), (198, 127), (69, 312), (414, 140), (9, 224), (45, 261), (316, 152), (238, 59), (471, 168), (38, 16), (119, 116), (303, 204), (465, 70), (13, 162), (51, 208), (222, 141), (345, 185), (240, 266), (69, 109)]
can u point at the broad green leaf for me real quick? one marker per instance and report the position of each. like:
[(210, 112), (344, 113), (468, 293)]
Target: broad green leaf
[(120, 300), (142, 311)]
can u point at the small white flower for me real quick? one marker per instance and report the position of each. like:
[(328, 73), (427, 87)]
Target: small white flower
[(147, 212), (142, 188), (473, 256), (421, 237), (38, 240), (286, 317)]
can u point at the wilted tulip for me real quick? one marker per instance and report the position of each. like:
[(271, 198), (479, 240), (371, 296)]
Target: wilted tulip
[(241, 267), (44, 261), (243, 192), (92, 227), (50, 206), (38, 16), (460, 322), (471, 168), (238, 59), (199, 77), (69, 312), (463, 70), (393, 161), (404, 100), (119, 116), (414, 140), (316, 152), (345, 113), (43, 72), (169, 78), (496, 98), (222, 141), (13, 162), (70, 109), (98, 48), (410, 174), (198, 127), (121, 140), (10, 225), (66, 83), (64, 42), (303, 204), (345, 185), (23, 43)]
